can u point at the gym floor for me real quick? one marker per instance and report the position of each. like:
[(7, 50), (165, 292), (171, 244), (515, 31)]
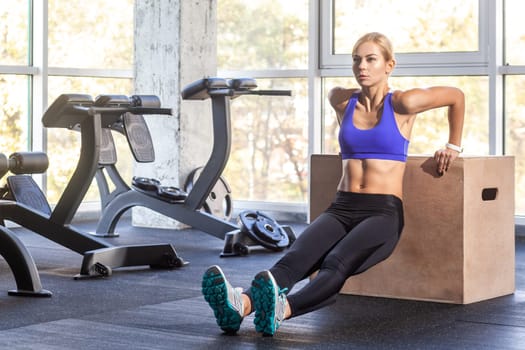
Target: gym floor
[(142, 308)]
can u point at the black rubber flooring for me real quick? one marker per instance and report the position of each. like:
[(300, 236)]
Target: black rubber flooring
[(143, 308)]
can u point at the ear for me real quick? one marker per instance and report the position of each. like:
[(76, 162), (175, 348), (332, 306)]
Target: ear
[(390, 66)]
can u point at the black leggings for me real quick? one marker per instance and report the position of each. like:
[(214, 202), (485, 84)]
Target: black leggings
[(356, 232)]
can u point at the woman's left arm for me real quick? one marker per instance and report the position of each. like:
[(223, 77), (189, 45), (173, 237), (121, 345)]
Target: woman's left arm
[(420, 100)]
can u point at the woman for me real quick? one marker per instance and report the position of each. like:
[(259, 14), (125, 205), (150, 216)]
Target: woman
[(363, 224)]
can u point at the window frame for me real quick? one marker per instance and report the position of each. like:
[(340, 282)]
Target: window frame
[(38, 72), (414, 64), (488, 61)]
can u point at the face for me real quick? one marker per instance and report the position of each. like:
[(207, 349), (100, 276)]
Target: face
[(369, 65)]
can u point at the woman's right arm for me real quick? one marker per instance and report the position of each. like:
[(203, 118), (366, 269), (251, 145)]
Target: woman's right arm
[(338, 98)]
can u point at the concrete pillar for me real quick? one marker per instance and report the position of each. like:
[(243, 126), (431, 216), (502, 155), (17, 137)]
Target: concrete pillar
[(175, 44)]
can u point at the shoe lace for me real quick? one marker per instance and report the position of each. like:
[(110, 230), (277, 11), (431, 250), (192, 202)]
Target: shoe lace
[(280, 305), (234, 294)]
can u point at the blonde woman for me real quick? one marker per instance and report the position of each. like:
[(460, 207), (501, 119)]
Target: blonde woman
[(363, 224)]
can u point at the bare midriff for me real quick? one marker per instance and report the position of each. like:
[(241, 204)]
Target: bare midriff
[(373, 176)]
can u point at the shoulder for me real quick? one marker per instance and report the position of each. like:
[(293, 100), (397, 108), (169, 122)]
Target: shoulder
[(420, 99), (409, 96), (433, 91), (339, 96)]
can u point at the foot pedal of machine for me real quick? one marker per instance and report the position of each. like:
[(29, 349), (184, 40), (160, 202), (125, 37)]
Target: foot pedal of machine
[(24, 190), (139, 138)]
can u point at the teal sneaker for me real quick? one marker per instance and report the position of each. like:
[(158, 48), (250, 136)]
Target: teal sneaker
[(225, 301), (269, 303)]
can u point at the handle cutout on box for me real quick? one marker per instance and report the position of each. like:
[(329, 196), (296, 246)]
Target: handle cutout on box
[(489, 194)]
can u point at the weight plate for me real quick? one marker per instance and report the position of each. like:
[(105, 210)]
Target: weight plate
[(145, 183), (267, 230), (153, 187), (263, 230), (219, 202), (172, 193), (246, 220)]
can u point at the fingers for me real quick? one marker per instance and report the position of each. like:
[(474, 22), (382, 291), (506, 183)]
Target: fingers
[(444, 159)]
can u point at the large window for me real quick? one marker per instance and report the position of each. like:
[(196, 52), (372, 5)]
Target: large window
[(515, 133), (14, 86), (436, 42), (64, 145), (14, 121), (50, 47), (270, 144), (90, 51), (14, 30), (267, 40), (428, 36), (87, 49), (94, 34), (417, 27), (514, 33), (262, 34), (514, 103)]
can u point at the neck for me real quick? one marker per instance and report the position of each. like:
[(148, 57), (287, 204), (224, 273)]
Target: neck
[(372, 96)]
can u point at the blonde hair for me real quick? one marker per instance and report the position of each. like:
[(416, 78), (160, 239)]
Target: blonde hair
[(379, 39)]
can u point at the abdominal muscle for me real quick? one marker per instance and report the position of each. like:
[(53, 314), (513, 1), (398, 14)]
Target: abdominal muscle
[(373, 176)]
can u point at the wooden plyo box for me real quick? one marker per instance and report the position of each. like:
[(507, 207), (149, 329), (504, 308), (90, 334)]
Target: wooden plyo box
[(458, 243)]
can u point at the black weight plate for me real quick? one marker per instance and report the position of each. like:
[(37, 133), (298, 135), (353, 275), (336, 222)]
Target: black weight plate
[(285, 240), (267, 230), (248, 222), (219, 202), (145, 183), (172, 193)]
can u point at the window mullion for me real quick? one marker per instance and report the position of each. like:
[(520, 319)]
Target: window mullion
[(39, 78), (494, 33)]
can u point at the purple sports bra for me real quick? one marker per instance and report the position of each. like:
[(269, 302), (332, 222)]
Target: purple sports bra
[(383, 141)]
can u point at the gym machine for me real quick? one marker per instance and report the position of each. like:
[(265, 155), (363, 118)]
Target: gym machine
[(187, 206), (11, 247), (30, 209)]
